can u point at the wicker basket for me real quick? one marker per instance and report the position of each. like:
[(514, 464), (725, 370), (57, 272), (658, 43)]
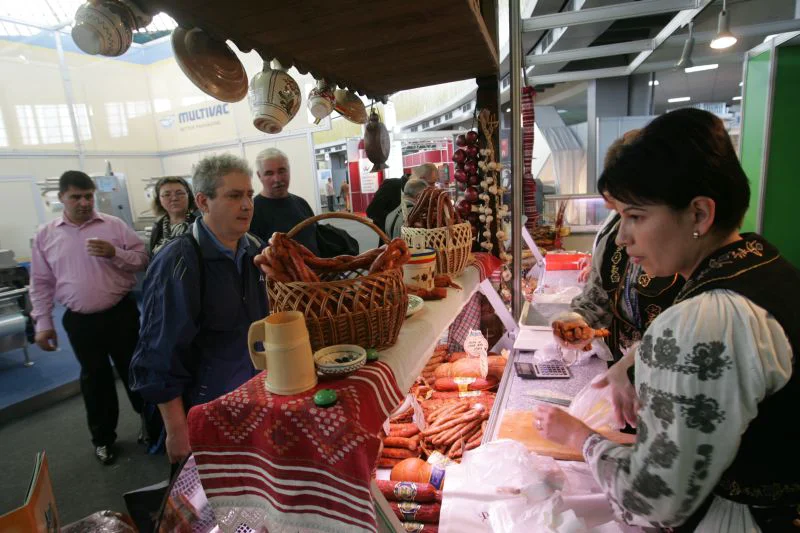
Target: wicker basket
[(453, 245), (347, 307)]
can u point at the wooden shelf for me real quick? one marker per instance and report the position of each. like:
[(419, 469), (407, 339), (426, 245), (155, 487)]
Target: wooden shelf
[(374, 47)]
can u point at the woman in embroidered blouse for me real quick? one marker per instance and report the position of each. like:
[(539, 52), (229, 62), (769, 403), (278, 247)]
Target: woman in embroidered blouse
[(619, 297), (173, 203), (715, 448)]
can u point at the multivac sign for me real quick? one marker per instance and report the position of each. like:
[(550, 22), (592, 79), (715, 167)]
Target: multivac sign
[(201, 117)]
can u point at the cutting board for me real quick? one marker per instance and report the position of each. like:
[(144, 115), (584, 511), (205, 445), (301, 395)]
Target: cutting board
[(520, 426)]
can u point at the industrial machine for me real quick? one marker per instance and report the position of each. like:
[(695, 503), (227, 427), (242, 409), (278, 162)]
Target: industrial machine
[(16, 327)]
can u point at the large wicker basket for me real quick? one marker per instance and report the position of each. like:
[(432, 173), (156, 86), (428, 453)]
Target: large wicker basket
[(351, 307), (453, 245)]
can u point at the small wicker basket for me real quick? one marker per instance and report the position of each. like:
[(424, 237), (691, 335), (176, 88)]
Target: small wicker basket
[(351, 307), (453, 243)]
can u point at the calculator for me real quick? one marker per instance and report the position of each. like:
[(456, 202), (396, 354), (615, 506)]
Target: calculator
[(553, 369)]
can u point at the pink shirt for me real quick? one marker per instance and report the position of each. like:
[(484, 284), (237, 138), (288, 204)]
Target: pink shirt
[(62, 269)]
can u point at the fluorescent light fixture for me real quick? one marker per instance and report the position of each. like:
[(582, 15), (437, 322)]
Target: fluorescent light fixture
[(562, 110), (679, 99), (700, 68), (737, 97), (654, 82), (724, 38)]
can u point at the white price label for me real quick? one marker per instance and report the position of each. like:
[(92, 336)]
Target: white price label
[(476, 345)]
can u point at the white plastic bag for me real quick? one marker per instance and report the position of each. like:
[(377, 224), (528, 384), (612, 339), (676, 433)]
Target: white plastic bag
[(500, 471), (593, 407)]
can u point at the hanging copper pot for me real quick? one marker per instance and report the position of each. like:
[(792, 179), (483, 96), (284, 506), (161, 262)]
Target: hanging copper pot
[(376, 142)]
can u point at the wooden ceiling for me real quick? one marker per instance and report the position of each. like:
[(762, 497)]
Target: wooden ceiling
[(374, 47)]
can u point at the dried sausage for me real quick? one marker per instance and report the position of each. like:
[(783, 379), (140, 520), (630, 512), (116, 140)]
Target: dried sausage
[(408, 491)]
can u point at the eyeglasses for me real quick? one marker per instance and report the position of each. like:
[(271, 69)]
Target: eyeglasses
[(176, 194)]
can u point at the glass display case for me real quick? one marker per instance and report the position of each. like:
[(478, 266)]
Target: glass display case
[(583, 213)]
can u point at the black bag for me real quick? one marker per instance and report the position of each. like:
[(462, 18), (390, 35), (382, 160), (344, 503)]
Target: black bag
[(333, 241)]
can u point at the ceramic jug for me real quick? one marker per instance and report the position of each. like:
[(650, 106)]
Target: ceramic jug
[(274, 98), (321, 101), (287, 354)]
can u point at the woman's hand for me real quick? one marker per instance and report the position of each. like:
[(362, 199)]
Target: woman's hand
[(623, 395), (585, 267), (561, 427)]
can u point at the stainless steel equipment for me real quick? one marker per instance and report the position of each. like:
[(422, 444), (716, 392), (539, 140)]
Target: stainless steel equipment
[(14, 306)]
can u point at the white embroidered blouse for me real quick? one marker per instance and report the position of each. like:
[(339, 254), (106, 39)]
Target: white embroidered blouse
[(701, 370)]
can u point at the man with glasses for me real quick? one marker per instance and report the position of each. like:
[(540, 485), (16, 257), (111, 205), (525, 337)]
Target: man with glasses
[(86, 261)]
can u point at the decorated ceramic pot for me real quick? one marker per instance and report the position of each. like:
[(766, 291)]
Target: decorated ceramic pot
[(274, 99), (321, 101), (418, 272), (104, 28)]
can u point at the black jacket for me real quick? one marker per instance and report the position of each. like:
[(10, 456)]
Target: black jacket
[(386, 199)]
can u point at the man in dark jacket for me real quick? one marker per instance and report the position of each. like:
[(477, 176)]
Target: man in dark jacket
[(387, 198), (201, 293), (275, 208)]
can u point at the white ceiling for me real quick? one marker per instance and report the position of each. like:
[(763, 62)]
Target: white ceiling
[(751, 20), (27, 17)]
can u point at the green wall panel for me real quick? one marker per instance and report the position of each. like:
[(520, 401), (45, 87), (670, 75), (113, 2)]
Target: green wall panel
[(783, 169), (754, 111)]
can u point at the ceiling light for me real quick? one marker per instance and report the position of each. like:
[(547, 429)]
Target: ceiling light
[(679, 99), (653, 82), (562, 110), (724, 38), (688, 46), (508, 110), (737, 97), (740, 84), (700, 68)]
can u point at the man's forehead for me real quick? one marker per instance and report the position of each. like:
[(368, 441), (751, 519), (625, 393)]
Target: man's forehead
[(74, 191), (278, 162)]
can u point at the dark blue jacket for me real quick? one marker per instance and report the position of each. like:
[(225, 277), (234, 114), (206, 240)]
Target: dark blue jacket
[(197, 350)]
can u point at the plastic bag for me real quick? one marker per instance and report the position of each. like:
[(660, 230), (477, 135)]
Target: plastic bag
[(593, 407), (473, 487)]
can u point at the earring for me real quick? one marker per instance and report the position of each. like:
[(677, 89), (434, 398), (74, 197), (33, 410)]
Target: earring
[(695, 234)]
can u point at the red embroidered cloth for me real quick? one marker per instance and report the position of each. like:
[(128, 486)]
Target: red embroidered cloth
[(487, 264), (279, 463)]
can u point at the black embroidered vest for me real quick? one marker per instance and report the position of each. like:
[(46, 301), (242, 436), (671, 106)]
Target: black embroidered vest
[(766, 470), (652, 295)]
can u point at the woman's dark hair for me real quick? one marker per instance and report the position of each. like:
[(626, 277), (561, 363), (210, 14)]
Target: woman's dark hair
[(158, 209), (678, 156), (75, 178)]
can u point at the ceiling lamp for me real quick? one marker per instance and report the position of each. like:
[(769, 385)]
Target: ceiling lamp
[(724, 38), (686, 56)]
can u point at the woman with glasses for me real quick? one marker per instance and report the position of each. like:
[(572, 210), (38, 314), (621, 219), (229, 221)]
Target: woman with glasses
[(174, 203)]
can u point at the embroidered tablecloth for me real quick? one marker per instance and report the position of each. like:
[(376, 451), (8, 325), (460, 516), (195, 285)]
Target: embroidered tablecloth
[(281, 464)]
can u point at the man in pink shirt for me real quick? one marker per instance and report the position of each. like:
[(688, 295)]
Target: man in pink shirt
[(87, 261)]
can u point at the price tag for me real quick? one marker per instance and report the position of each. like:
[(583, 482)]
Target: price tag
[(476, 345)]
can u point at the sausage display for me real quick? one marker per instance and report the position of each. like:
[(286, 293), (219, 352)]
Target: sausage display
[(286, 260)]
